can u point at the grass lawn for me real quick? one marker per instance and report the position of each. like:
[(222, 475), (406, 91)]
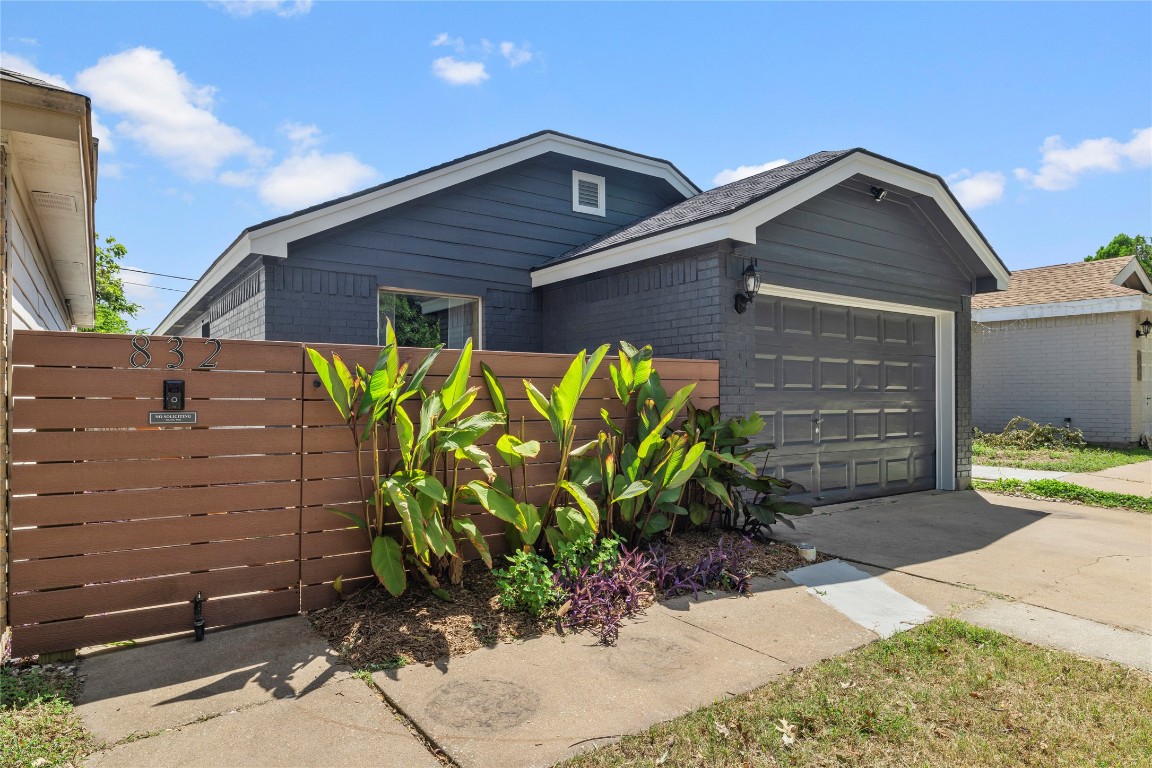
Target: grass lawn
[(1057, 459), (943, 694), (38, 726), (1058, 490)]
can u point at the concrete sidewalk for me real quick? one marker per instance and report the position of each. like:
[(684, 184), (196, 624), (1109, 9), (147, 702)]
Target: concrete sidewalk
[(273, 694), (1134, 479)]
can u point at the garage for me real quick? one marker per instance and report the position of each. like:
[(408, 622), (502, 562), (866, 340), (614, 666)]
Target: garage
[(849, 397)]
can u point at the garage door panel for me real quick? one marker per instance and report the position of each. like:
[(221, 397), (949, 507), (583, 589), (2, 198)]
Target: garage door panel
[(848, 397)]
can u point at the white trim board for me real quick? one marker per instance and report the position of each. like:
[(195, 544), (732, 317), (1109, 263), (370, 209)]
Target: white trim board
[(945, 366), (273, 238), (741, 225), (1133, 303)]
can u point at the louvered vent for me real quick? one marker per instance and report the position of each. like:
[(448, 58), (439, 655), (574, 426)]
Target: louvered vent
[(54, 202), (589, 193)]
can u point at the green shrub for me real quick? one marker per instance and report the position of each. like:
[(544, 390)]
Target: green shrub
[(1027, 434), (587, 552), (527, 584)]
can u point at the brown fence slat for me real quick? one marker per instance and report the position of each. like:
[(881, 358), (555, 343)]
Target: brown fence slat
[(316, 596), (78, 633), (114, 414), (145, 504), (27, 575), (106, 350), (159, 473), (36, 543), (33, 607), (149, 382), (153, 443)]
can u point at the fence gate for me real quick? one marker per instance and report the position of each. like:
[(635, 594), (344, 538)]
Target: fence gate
[(122, 511), (129, 519)]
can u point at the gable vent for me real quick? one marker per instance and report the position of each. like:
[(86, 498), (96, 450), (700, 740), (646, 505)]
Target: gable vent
[(52, 201), (588, 193)]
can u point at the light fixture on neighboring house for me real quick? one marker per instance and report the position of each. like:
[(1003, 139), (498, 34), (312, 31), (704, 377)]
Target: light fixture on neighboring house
[(878, 193), (750, 280), (1144, 329)]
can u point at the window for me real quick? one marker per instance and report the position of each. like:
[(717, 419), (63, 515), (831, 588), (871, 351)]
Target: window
[(423, 320), (588, 193), (206, 331)]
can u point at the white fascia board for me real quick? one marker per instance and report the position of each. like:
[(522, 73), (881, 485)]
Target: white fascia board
[(239, 251), (945, 330), (741, 225), (1132, 303), (274, 238), (1133, 268)]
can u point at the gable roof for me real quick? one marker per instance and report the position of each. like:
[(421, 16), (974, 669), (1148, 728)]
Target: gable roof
[(733, 211), (271, 238), (1079, 281)]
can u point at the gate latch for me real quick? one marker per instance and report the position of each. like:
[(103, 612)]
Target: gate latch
[(198, 616)]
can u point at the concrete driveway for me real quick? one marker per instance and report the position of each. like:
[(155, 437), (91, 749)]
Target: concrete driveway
[(1085, 562)]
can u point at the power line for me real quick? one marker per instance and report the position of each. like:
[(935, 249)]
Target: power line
[(158, 274), (160, 287)]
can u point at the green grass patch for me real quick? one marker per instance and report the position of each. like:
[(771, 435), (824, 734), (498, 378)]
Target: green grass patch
[(1089, 459), (38, 726), (1058, 490), (943, 694)]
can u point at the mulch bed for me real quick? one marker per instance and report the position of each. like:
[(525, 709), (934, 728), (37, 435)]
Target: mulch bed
[(373, 630)]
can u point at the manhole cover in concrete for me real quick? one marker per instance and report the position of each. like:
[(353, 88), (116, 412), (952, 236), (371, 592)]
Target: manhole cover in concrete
[(647, 657), (482, 703)]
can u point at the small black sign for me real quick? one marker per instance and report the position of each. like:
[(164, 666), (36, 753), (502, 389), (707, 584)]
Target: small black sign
[(172, 417)]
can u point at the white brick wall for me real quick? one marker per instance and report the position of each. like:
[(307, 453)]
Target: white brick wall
[(1053, 368)]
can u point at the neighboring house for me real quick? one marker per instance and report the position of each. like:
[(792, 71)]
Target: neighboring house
[(855, 350), (47, 245), (1063, 345)]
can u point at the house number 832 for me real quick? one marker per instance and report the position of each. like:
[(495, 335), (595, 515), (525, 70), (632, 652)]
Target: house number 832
[(142, 358)]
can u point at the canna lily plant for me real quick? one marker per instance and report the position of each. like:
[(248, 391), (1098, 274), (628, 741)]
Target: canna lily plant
[(415, 464)]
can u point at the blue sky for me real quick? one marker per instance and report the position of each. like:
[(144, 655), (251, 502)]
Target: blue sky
[(215, 116)]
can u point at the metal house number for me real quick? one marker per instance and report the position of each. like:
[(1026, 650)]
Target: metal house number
[(142, 358)]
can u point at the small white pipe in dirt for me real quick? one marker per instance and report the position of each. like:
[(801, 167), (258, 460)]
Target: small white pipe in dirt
[(808, 552)]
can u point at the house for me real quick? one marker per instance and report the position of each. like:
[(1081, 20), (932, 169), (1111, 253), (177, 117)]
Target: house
[(47, 266), (855, 347), (1064, 345)]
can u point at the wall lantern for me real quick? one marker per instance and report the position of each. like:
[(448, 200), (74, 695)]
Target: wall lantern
[(750, 282), (1144, 329)]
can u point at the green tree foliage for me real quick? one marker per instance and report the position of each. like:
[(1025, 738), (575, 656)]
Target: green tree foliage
[(413, 327), (1123, 246), (111, 304)]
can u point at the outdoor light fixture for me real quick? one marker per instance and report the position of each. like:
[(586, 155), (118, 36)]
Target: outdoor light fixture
[(750, 280), (878, 193), (1144, 329)]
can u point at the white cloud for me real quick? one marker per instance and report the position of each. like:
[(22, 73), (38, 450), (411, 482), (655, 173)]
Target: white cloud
[(729, 175), (1063, 166), (976, 190), (309, 177), (452, 70), (515, 55), (442, 39), (165, 112), (28, 41), (244, 8), (302, 136)]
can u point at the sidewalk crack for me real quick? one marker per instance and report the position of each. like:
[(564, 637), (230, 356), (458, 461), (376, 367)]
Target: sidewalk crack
[(728, 639)]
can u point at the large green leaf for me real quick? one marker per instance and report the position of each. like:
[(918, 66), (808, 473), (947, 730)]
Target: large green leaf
[(479, 457), (388, 565), (495, 391), (417, 380), (572, 523), (457, 382), (462, 404), (337, 392), (622, 489), (715, 488), (619, 378), (467, 526), (467, 431), (530, 522), (344, 376), (358, 519), (438, 539), (427, 485), (688, 466), (405, 435), (591, 365), (567, 392), (383, 380), (698, 513), (499, 504), (544, 408), (656, 523), (586, 504), (411, 517)]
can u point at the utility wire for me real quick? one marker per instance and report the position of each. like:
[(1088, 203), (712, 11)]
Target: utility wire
[(146, 285), (158, 274)]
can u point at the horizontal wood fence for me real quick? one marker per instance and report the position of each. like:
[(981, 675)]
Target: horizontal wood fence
[(115, 525)]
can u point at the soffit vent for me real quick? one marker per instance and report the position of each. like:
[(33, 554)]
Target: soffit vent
[(52, 201), (588, 194)]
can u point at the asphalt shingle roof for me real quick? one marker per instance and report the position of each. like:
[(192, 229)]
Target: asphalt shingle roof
[(1079, 281), (708, 205), (17, 77)]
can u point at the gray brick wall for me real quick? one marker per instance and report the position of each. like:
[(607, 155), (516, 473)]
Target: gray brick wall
[(512, 321), (239, 312), (306, 304), (1052, 368), (964, 396)]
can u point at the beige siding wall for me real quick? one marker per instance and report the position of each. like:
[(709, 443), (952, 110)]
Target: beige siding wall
[(1052, 368), (36, 300)]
